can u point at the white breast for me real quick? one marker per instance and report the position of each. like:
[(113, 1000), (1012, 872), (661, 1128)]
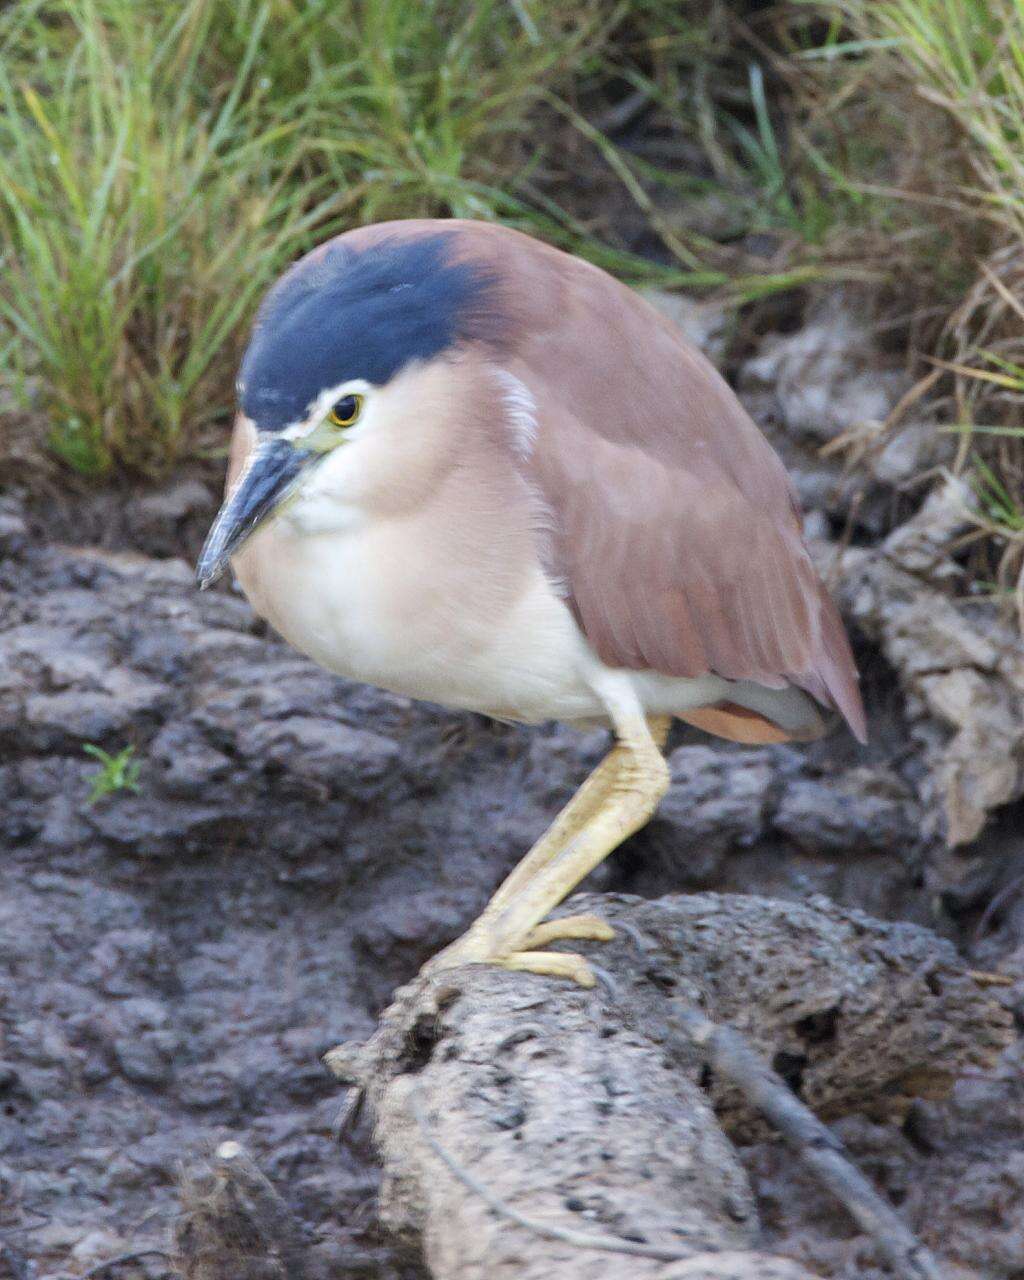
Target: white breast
[(399, 604), (389, 605)]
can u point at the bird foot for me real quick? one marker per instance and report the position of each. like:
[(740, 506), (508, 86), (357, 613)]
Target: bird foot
[(480, 946)]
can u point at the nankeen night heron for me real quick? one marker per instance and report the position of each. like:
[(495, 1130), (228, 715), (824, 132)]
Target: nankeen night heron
[(476, 470)]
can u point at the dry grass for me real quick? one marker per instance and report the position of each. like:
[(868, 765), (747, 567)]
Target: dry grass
[(966, 57), (911, 112)]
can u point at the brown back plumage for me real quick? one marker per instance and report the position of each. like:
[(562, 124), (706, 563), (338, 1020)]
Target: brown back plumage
[(674, 523)]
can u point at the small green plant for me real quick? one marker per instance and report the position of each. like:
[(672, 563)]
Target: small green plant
[(118, 772)]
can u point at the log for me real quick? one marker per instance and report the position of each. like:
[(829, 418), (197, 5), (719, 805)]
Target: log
[(531, 1129)]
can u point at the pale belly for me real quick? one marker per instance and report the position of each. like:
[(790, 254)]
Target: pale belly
[(376, 606), (387, 607)]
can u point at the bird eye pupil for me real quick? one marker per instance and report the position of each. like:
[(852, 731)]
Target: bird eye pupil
[(346, 410)]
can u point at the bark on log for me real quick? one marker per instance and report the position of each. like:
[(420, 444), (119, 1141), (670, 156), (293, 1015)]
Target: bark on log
[(529, 1129)]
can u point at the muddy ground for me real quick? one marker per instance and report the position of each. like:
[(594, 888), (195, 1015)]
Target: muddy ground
[(173, 962)]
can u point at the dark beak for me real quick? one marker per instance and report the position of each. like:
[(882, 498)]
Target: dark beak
[(273, 473)]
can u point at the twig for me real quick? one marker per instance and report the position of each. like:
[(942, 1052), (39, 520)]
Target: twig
[(579, 1239), (998, 900), (729, 1055), (120, 1258), (349, 1114)]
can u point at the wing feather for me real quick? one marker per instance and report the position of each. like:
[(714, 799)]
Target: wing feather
[(675, 525)]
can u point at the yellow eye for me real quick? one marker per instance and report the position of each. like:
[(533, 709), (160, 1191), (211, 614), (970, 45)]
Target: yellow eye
[(346, 411)]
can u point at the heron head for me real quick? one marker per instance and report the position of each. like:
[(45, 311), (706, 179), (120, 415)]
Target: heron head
[(336, 343)]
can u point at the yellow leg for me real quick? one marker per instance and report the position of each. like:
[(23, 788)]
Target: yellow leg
[(630, 781), (576, 814), (658, 727)]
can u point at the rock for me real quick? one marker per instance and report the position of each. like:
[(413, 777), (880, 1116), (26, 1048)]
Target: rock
[(98, 1245), (775, 815), (715, 804), (190, 765), (831, 380), (865, 809), (718, 799), (826, 377), (922, 544), (960, 667), (975, 1224), (164, 522), (61, 1235), (146, 1060), (176, 502), (13, 533), (314, 749), (496, 1075), (125, 959), (155, 828), (76, 717), (907, 452)]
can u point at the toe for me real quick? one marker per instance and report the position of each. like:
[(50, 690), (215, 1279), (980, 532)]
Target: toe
[(587, 927), (550, 964)]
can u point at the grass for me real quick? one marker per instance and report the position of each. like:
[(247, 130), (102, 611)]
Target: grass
[(142, 215), (160, 163), (967, 57)]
